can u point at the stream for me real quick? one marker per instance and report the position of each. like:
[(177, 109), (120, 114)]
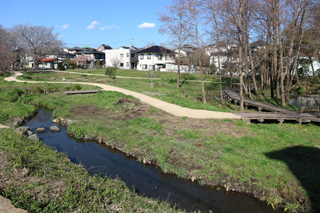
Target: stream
[(146, 180)]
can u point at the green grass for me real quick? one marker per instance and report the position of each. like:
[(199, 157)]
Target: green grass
[(53, 184), (156, 74), (188, 95), (218, 152), (215, 156)]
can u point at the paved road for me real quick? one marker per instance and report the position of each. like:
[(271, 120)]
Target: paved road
[(165, 106)]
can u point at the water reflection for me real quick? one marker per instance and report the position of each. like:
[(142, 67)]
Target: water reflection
[(147, 180)]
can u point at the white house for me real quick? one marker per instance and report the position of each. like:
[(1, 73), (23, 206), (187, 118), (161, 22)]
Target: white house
[(155, 58), (122, 57)]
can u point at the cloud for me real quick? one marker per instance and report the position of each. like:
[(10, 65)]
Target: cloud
[(109, 27), (66, 26), (56, 26), (92, 25), (146, 25)]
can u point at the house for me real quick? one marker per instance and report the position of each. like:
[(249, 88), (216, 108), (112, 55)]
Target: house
[(54, 60), (186, 50), (123, 57), (155, 58), (73, 50), (93, 56), (104, 47)]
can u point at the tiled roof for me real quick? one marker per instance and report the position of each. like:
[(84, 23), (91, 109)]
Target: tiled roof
[(155, 49), (47, 59)]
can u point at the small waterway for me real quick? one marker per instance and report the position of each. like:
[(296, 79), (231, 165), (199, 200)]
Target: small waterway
[(147, 180), (296, 102)]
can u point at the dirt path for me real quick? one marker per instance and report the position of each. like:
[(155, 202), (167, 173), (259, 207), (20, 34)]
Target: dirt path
[(3, 126), (165, 106), (122, 76)]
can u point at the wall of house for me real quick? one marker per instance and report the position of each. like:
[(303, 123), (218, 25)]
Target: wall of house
[(123, 54), (316, 66), (174, 68), (151, 59)]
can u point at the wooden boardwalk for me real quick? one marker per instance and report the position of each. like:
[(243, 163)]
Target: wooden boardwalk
[(80, 92), (275, 113)]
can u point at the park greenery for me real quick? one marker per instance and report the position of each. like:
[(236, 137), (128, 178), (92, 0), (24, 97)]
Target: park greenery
[(227, 153)]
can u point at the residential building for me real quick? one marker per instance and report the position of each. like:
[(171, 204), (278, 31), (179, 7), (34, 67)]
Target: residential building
[(155, 58), (94, 57), (123, 57), (104, 47)]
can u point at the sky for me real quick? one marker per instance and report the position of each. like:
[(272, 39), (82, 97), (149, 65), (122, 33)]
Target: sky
[(91, 23)]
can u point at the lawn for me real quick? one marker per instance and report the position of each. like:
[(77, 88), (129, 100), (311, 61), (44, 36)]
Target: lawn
[(276, 163)]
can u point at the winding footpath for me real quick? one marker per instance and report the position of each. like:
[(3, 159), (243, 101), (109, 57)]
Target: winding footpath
[(165, 106)]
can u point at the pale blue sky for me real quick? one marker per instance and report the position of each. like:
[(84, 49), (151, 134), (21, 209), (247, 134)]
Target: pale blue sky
[(90, 23)]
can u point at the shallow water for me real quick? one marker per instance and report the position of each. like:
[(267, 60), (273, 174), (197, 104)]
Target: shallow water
[(296, 102), (147, 180)]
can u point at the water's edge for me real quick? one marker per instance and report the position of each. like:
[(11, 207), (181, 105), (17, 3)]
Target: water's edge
[(99, 157)]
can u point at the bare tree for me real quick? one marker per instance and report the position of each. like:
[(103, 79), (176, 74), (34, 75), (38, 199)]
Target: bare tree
[(212, 18), (194, 10), (36, 40), (7, 54), (175, 23), (115, 61)]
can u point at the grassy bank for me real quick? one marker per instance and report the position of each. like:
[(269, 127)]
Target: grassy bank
[(156, 74), (277, 163), (39, 179), (188, 95), (247, 158)]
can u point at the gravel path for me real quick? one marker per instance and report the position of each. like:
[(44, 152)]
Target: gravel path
[(165, 106)]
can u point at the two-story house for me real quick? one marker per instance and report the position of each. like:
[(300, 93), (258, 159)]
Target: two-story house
[(155, 58), (123, 57), (94, 56)]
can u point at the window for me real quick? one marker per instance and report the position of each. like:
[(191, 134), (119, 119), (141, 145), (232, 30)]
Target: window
[(121, 55), (121, 64), (127, 64), (144, 66), (159, 57), (132, 55), (127, 54), (149, 56), (141, 56)]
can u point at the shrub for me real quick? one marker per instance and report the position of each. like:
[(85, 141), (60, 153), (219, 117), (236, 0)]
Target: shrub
[(111, 72), (26, 75), (77, 87), (38, 89)]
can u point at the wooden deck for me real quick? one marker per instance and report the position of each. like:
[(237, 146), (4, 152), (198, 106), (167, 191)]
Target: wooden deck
[(275, 113), (80, 92)]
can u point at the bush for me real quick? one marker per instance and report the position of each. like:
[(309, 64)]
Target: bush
[(38, 89), (111, 72), (300, 91), (77, 87), (26, 75)]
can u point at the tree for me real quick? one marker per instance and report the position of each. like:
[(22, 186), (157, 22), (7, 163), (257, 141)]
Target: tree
[(82, 60), (175, 23), (35, 40), (193, 8), (115, 61), (7, 54)]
